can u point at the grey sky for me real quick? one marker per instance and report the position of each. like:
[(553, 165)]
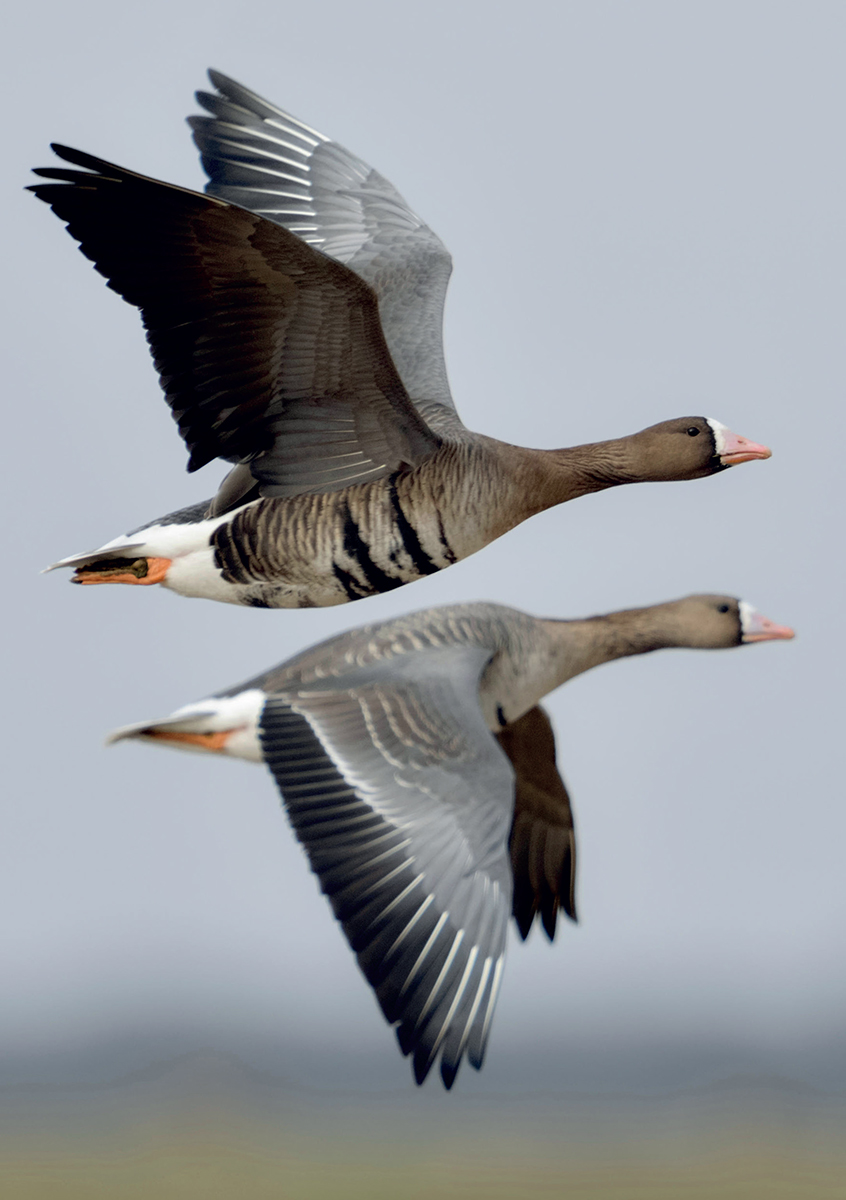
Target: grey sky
[(644, 203)]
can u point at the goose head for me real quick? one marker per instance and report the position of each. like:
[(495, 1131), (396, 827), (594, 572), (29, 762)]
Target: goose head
[(716, 622), (688, 448)]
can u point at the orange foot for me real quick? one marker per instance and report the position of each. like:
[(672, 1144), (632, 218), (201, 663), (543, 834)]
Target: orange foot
[(123, 570)]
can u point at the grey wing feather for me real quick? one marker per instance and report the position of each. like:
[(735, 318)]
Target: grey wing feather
[(260, 157), (269, 352), (403, 802)]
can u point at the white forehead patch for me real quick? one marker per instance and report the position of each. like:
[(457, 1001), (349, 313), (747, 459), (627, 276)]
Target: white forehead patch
[(719, 431), (747, 613)]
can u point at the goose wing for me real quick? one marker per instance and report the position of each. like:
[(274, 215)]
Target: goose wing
[(542, 842), (262, 158), (403, 801), (269, 353)]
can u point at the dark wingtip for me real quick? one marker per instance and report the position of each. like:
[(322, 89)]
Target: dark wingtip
[(198, 458), (80, 159), (64, 152), (218, 79), (548, 919), (405, 1037), (524, 922), (422, 1064), (68, 153), (476, 1061), (449, 1072)]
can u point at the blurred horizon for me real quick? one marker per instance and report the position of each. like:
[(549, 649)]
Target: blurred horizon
[(203, 1123)]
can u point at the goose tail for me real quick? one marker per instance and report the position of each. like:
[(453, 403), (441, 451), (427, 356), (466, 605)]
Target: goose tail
[(219, 724)]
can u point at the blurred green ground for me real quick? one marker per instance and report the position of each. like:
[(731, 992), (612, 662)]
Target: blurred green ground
[(211, 1175), (208, 1128)]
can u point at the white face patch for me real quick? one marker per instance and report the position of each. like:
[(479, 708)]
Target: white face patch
[(719, 431), (748, 612)]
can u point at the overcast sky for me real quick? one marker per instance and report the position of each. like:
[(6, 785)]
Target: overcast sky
[(645, 206)]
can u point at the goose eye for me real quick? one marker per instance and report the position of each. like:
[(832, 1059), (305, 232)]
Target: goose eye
[(693, 431), (723, 608)]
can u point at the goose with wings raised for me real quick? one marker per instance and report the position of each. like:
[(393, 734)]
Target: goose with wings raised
[(419, 774), (294, 315)]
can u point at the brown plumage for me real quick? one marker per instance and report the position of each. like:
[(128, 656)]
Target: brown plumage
[(405, 752), (542, 841), (272, 357)]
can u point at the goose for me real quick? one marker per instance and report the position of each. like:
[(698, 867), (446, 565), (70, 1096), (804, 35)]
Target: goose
[(418, 772), (294, 315)]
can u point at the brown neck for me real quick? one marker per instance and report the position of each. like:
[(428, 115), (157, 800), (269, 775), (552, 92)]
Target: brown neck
[(581, 645), (577, 471), (509, 484)]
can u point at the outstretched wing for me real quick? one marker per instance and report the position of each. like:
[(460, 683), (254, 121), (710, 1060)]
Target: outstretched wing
[(269, 352), (403, 802), (542, 842), (267, 161)]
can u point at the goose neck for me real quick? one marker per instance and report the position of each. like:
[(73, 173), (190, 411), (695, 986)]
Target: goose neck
[(581, 645), (575, 471)]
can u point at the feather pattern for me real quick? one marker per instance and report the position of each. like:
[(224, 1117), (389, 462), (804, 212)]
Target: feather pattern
[(269, 352), (403, 801), (262, 158), (324, 385), (404, 752)]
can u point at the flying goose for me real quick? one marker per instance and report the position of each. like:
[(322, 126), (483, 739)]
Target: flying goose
[(294, 316), (405, 752)]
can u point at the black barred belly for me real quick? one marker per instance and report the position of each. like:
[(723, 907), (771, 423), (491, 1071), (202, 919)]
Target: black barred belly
[(347, 545)]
